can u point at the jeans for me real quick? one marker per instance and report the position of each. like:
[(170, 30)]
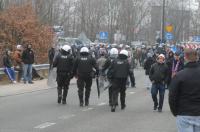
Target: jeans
[(27, 72), (188, 123), (154, 92)]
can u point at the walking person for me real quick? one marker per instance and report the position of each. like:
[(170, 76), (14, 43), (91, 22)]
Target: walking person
[(184, 94), (64, 64), (147, 66), (158, 75), (120, 69), (28, 60), (51, 54), (8, 66), (18, 66), (83, 69)]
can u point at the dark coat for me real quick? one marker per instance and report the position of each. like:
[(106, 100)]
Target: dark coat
[(184, 91), (159, 73), (147, 65), (7, 61), (28, 56)]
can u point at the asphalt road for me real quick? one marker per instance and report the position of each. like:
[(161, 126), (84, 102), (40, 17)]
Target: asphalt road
[(39, 112)]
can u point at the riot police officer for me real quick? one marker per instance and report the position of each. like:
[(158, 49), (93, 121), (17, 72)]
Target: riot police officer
[(113, 54), (64, 63), (83, 69), (120, 69)]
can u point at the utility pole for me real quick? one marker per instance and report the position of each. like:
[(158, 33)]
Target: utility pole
[(163, 22)]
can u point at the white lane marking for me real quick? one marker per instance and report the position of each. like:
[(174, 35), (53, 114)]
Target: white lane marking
[(101, 104), (131, 92), (66, 117), (44, 125), (88, 109)]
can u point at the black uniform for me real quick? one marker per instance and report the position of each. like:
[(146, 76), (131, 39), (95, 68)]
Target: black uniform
[(83, 68), (119, 71), (64, 63)]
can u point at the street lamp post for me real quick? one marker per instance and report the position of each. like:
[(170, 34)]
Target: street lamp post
[(163, 22)]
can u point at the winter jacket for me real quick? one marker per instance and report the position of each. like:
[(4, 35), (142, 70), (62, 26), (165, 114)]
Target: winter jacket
[(7, 62), (28, 56), (17, 56), (184, 91), (147, 65), (159, 73)]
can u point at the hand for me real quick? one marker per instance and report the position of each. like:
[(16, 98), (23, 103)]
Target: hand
[(153, 81)]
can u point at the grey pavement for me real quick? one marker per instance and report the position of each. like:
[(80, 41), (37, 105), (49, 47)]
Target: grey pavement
[(21, 88), (38, 112)]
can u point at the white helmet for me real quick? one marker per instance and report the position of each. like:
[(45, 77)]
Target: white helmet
[(84, 49), (66, 48), (114, 51), (124, 52), (19, 46)]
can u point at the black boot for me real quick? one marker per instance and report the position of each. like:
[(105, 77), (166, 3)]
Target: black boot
[(123, 106), (113, 108), (81, 100), (59, 95), (63, 101)]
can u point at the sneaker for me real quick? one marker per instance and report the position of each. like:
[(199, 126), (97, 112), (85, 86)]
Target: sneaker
[(14, 82)]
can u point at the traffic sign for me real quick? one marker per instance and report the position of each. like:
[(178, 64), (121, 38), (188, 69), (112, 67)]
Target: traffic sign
[(196, 38), (169, 36), (169, 28), (103, 35)]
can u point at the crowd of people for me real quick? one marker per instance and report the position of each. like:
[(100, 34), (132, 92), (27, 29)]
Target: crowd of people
[(178, 71), (20, 61)]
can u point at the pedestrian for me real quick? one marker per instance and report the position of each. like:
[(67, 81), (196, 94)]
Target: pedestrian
[(112, 56), (147, 66), (177, 64), (100, 63), (120, 69), (28, 60), (18, 66), (51, 54), (83, 70), (169, 62), (64, 64), (184, 94), (8, 66), (158, 75)]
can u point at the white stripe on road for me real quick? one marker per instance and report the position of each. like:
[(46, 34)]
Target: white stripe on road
[(131, 92), (44, 125), (88, 109), (101, 104), (66, 117)]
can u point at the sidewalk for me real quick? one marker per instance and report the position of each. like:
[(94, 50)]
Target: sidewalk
[(20, 88)]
